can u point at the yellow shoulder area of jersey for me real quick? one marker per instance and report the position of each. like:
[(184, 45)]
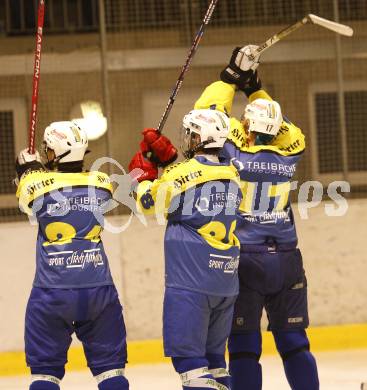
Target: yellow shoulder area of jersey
[(289, 141), (191, 173), (237, 134), (38, 183)]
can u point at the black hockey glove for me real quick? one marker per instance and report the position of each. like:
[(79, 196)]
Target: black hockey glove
[(242, 66)]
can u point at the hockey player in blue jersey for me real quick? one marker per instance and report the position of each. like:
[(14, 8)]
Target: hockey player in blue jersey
[(73, 290), (200, 197), (265, 147)]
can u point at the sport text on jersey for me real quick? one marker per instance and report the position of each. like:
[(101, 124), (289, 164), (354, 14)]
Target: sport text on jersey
[(80, 203), (227, 264), (271, 168), (179, 181), (31, 189), (76, 259)]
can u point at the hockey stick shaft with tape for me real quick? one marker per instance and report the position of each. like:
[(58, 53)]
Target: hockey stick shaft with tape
[(36, 76), (310, 18), (185, 68)]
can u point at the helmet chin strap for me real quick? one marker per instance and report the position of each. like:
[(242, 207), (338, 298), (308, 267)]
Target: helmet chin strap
[(54, 163), (191, 153)]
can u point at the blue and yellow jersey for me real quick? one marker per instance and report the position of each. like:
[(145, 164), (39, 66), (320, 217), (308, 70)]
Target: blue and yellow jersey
[(199, 199), (69, 209), (265, 171)]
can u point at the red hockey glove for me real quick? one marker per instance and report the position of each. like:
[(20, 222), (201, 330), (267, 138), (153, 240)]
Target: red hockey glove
[(144, 148), (163, 151), (149, 168)]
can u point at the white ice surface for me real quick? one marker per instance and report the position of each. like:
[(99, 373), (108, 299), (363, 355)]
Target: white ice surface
[(342, 370)]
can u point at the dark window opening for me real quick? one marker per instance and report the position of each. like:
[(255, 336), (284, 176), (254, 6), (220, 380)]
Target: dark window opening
[(7, 155), (328, 131)]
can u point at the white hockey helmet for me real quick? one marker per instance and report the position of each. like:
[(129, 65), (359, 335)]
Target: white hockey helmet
[(263, 116), (211, 125), (68, 140)]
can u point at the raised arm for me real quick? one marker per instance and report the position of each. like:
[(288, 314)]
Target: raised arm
[(217, 96), (241, 72)]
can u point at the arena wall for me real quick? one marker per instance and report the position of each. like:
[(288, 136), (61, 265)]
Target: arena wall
[(333, 251), (137, 67), (128, 114)]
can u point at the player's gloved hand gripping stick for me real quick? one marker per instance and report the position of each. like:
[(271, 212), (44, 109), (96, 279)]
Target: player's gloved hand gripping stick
[(156, 150), (158, 147), (36, 75), (241, 69)]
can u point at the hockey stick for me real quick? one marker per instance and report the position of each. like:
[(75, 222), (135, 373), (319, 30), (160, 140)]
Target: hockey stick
[(310, 18), (36, 75), (189, 58)]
